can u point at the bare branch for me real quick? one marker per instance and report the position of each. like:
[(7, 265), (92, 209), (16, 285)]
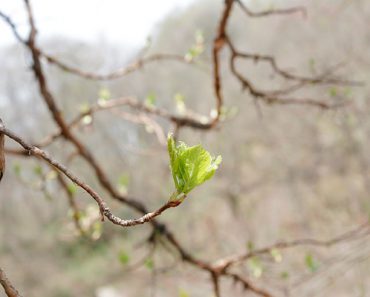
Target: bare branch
[(358, 232), (12, 26), (216, 284), (136, 65), (218, 44), (104, 209), (247, 11), (267, 97), (320, 79), (247, 285), (9, 289)]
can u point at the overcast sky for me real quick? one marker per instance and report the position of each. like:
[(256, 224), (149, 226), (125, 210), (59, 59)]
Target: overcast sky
[(123, 21)]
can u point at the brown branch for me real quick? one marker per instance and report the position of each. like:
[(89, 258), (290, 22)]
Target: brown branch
[(9, 289), (182, 121), (274, 97), (218, 44), (247, 11), (12, 26), (142, 119), (104, 209), (247, 285), (65, 131), (136, 65), (59, 120), (216, 284), (320, 79), (138, 206), (355, 233), (193, 121), (43, 143), (270, 98)]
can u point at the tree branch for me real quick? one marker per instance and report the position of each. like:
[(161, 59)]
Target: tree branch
[(248, 12), (9, 289), (104, 209)]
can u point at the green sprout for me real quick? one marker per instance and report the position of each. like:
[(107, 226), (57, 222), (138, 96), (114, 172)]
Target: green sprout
[(190, 166)]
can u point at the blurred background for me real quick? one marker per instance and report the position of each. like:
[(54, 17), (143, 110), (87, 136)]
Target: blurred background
[(288, 172)]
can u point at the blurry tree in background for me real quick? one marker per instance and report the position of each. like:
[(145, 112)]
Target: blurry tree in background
[(278, 88)]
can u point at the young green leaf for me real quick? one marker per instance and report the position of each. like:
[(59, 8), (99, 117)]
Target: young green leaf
[(190, 166)]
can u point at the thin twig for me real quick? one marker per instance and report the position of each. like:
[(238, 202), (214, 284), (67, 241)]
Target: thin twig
[(247, 11)]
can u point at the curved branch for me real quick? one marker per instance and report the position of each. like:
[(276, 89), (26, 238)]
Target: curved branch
[(361, 230), (247, 11), (138, 64), (218, 44), (12, 26), (104, 209), (320, 79), (270, 98), (247, 285), (9, 289)]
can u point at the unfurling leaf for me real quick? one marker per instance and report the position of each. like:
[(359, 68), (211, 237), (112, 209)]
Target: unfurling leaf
[(190, 166)]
